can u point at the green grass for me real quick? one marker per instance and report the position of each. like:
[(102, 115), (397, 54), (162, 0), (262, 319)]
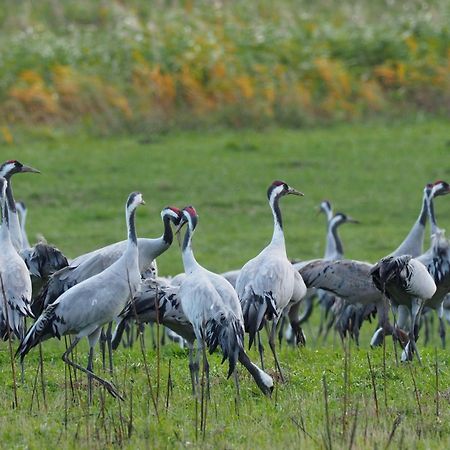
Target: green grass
[(374, 172)]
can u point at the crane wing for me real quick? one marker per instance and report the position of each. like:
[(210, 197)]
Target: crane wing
[(346, 278)]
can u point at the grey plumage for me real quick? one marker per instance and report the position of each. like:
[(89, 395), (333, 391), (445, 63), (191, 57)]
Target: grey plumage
[(15, 281), (435, 260), (331, 305), (42, 260), (156, 302), (405, 281), (7, 170), (23, 212), (92, 263), (85, 308), (211, 305), (267, 283)]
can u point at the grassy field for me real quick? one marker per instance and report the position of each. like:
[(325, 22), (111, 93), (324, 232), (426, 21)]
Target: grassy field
[(375, 172)]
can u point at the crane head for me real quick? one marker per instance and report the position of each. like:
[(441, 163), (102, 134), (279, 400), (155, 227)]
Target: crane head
[(280, 188), (344, 218), (9, 168), (189, 216), (172, 213), (440, 188), (134, 200), (326, 208)]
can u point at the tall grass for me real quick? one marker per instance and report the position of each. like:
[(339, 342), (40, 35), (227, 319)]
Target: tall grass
[(113, 65)]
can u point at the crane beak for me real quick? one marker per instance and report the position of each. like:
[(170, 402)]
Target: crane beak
[(180, 225), (29, 169), (352, 220), (294, 192)]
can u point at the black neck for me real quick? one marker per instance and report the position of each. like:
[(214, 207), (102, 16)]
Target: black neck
[(187, 238), (168, 234), (423, 213), (337, 239), (132, 228), (10, 197), (277, 211), (431, 213)]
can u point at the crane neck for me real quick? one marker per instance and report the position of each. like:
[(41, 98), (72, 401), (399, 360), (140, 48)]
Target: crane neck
[(422, 219), (10, 197), (413, 243), (168, 233), (434, 226), (278, 234), (334, 248), (4, 228), (131, 228), (189, 261), (22, 221)]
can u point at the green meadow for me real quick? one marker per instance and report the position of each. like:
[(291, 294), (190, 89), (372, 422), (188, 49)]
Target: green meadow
[(332, 399)]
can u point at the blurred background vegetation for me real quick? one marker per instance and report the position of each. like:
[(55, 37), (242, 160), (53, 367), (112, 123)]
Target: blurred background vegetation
[(112, 66)]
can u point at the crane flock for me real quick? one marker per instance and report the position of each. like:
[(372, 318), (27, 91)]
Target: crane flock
[(119, 283)]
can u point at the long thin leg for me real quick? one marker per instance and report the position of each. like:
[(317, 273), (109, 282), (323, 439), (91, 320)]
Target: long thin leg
[(108, 386), (426, 323), (192, 368), (103, 349), (109, 345), (206, 369), (411, 347), (260, 350), (281, 329), (441, 324), (90, 368), (236, 382), (272, 347)]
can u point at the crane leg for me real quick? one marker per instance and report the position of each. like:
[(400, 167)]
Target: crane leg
[(272, 347), (236, 383), (206, 369), (193, 369), (103, 349), (90, 368), (260, 350), (109, 345), (281, 329), (426, 323), (294, 321), (108, 386), (411, 347), (441, 324)]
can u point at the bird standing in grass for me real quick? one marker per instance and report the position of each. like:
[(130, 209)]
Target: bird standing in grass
[(212, 306), (84, 309), (92, 263), (15, 281), (267, 283)]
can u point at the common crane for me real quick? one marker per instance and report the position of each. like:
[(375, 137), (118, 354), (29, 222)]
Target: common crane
[(212, 306), (92, 263), (15, 281), (267, 283), (85, 308), (7, 170)]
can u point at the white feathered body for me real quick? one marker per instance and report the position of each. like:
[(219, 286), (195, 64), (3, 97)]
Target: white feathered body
[(16, 283), (97, 300), (269, 272)]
